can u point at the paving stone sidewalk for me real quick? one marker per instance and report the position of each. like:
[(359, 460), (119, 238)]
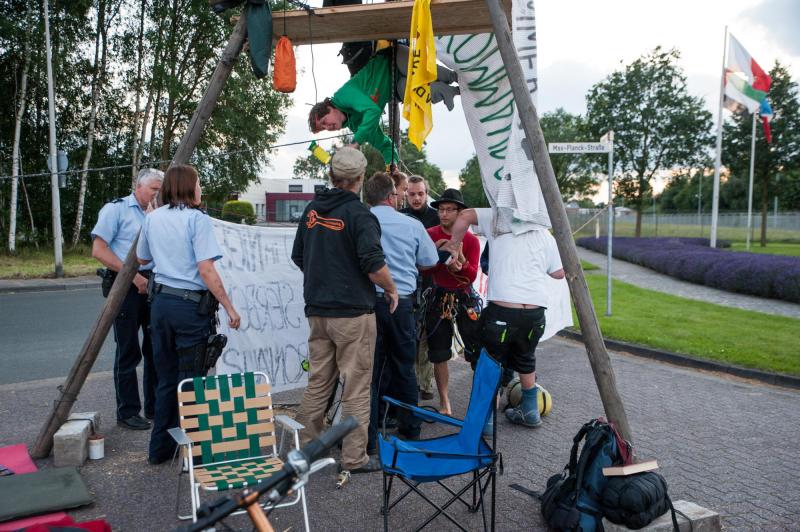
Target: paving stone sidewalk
[(723, 443), (8, 286), (651, 279)]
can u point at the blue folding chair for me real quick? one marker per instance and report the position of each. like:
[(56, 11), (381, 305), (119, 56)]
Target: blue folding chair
[(434, 460)]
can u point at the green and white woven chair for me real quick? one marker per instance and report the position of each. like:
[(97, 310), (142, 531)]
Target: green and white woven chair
[(227, 427)]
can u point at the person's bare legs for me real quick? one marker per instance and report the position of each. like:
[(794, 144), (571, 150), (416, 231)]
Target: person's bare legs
[(527, 380), (442, 377)]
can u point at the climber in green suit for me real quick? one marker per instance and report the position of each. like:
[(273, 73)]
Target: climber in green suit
[(359, 103)]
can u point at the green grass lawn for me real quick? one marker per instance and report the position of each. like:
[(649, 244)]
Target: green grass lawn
[(772, 248), (588, 266), (33, 263), (724, 233), (709, 331)]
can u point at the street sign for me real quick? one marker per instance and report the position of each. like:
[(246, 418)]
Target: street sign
[(579, 147)]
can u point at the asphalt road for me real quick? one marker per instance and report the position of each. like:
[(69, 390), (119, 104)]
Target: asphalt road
[(41, 333)]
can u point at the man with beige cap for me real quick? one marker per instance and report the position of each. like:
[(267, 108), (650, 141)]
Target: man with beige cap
[(338, 248)]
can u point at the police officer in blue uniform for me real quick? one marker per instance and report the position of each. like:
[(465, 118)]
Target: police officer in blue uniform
[(179, 240), (117, 226)]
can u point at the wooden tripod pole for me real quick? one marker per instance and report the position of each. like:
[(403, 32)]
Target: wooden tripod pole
[(68, 392), (590, 329)]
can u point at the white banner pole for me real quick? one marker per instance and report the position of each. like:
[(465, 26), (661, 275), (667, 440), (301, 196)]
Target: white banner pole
[(610, 208), (718, 160)]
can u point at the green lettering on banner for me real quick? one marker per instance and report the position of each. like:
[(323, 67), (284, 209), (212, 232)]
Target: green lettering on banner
[(504, 112), (489, 41), (498, 151)]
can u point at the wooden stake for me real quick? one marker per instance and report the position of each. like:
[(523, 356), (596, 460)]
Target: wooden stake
[(86, 358), (590, 329)]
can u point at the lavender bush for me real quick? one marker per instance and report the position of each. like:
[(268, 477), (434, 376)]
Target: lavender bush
[(690, 259)]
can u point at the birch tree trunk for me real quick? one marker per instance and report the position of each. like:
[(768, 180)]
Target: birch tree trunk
[(97, 81), (23, 93)]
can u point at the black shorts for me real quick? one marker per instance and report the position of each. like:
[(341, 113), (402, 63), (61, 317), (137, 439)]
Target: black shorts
[(439, 330), (511, 335)]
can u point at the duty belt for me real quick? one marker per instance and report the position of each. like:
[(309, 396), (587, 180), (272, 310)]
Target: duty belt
[(191, 295), (380, 295)]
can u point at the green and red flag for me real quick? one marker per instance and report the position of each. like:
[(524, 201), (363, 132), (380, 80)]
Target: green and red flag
[(746, 83)]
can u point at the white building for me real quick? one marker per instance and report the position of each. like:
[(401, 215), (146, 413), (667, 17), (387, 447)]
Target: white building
[(281, 200)]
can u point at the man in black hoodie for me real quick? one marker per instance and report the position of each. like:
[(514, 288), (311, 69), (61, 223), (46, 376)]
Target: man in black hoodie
[(338, 248)]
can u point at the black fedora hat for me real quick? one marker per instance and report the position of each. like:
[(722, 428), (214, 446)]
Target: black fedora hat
[(451, 195)]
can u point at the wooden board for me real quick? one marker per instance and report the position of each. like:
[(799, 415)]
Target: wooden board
[(388, 20)]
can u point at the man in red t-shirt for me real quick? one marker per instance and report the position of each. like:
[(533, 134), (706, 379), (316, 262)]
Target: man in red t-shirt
[(452, 288)]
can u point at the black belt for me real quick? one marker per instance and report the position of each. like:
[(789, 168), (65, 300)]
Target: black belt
[(380, 295), (191, 295)]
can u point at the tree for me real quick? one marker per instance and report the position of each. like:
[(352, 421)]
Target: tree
[(416, 163), (104, 21), (472, 184), (789, 185), (780, 158), (657, 125), (573, 172), (682, 193), (309, 167), (160, 55), (20, 112)]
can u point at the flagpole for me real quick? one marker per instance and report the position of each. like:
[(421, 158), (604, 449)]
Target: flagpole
[(717, 162), (750, 185)]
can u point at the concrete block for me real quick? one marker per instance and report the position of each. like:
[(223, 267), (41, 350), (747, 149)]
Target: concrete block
[(94, 416), (70, 443), (702, 520)]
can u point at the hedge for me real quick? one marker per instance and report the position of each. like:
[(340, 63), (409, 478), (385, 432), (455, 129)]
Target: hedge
[(691, 259), (236, 211)]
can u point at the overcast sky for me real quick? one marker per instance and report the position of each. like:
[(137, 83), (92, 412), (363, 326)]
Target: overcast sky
[(580, 43)]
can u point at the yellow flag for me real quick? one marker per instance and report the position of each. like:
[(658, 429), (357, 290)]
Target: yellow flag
[(421, 72)]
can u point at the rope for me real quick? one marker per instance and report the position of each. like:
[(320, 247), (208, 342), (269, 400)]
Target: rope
[(70, 398), (393, 114), (154, 163), (311, 47), (601, 211)]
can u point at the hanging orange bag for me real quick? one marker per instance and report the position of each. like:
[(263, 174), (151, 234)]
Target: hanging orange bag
[(284, 72)]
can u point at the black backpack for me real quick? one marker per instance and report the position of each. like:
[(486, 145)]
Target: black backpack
[(571, 500), (636, 500)]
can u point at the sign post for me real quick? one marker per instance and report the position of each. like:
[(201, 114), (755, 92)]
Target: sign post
[(606, 145), (608, 140)]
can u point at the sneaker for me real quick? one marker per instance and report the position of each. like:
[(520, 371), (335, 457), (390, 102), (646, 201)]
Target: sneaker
[(530, 419)]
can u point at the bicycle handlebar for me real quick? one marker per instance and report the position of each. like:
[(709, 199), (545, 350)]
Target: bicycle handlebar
[(280, 481)]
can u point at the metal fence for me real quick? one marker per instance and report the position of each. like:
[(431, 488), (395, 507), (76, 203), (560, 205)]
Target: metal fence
[(731, 225)]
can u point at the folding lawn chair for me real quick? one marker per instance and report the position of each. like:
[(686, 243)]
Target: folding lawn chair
[(227, 435), (427, 461)]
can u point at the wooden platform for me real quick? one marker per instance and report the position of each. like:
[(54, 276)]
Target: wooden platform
[(388, 20)]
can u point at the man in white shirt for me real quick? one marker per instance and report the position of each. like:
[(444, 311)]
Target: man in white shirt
[(513, 321)]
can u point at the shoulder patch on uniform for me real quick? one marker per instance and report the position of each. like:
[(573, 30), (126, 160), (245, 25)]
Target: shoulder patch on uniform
[(118, 200)]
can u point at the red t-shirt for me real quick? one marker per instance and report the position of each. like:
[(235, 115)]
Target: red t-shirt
[(444, 278)]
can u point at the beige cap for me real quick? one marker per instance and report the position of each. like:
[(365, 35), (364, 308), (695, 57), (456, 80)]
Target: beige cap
[(348, 163)]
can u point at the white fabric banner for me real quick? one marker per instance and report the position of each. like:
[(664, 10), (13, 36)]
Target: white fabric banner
[(266, 289), (505, 160)]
